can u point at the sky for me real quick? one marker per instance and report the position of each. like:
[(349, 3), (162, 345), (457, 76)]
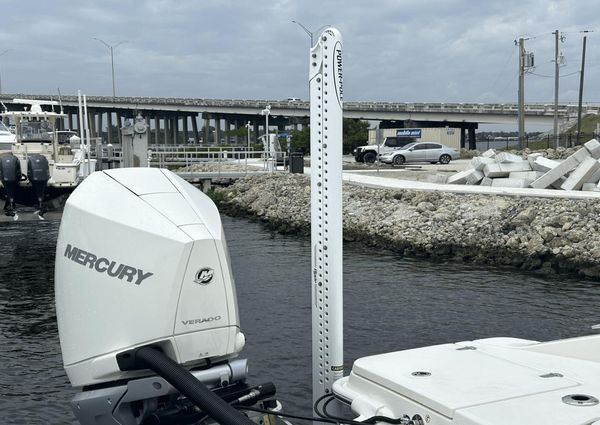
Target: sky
[(394, 50)]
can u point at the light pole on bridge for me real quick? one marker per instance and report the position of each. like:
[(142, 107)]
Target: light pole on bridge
[(309, 32), (112, 59)]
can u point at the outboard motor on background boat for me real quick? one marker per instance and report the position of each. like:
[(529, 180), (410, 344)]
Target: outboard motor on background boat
[(10, 176), (38, 173), (146, 303)]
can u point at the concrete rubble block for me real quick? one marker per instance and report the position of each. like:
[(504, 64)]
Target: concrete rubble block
[(543, 164), (503, 157), (478, 162), (493, 171), (593, 147), (439, 178), (561, 169), (533, 156), (581, 174), (486, 181), (508, 182), (527, 175), (490, 153), (590, 187), (558, 183), (595, 178), (511, 167), (461, 177), (475, 177), (503, 170)]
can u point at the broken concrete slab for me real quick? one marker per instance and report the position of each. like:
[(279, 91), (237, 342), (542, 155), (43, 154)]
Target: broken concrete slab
[(486, 181), (504, 157), (527, 175), (561, 169), (544, 164), (595, 178), (508, 182), (581, 174), (460, 177), (490, 153), (478, 162), (439, 178), (593, 147), (533, 156), (504, 169), (475, 177), (590, 187)]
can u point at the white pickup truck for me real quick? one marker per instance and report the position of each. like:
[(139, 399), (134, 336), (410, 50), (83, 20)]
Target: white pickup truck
[(368, 153)]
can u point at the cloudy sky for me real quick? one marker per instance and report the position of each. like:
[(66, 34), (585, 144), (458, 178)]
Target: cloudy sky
[(394, 50)]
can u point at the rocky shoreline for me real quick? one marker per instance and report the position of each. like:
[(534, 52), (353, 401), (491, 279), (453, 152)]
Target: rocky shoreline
[(547, 235)]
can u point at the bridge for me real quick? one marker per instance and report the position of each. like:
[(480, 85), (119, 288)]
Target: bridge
[(175, 120)]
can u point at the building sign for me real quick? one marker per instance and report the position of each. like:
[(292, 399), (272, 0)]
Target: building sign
[(409, 132)]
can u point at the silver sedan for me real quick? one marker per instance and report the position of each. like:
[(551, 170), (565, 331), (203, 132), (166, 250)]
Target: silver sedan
[(421, 152)]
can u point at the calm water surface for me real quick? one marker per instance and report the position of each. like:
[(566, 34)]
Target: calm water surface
[(391, 303)]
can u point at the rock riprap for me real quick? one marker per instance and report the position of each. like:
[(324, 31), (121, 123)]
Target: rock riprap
[(551, 235)]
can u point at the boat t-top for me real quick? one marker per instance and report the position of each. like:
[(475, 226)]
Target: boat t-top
[(39, 166)]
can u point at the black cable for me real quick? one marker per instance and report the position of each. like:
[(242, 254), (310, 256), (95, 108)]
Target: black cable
[(371, 420), (289, 415)]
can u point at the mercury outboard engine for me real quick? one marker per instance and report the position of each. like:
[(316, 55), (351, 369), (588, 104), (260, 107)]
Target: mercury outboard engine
[(10, 176), (146, 304), (38, 173)]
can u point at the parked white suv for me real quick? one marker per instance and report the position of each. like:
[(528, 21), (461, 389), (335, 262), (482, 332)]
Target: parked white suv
[(368, 153)]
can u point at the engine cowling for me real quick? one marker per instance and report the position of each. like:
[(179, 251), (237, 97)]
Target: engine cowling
[(141, 259)]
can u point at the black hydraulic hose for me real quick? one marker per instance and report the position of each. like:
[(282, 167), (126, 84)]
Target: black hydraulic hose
[(190, 387)]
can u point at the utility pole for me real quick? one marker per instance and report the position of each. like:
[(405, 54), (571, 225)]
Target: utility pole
[(581, 86), (521, 92), (556, 71)]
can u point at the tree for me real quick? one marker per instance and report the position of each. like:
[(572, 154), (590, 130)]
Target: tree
[(356, 133)]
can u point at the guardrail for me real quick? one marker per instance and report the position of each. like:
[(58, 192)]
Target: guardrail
[(219, 160)]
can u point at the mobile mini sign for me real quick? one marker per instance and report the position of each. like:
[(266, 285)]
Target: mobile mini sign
[(409, 132)]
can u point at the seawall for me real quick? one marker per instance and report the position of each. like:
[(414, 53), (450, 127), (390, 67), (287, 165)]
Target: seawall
[(548, 235)]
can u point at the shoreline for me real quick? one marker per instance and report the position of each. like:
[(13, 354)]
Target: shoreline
[(549, 236)]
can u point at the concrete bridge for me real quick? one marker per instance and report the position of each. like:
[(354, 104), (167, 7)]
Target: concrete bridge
[(175, 120)]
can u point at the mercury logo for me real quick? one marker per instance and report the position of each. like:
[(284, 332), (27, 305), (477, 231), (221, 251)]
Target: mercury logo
[(204, 276)]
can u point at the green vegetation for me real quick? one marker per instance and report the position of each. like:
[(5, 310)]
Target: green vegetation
[(356, 133)]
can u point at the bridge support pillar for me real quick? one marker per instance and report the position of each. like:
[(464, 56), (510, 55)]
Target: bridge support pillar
[(227, 128), (175, 128), (206, 127), (217, 129), (156, 128), (166, 130), (472, 141), (100, 127), (194, 118), (109, 128), (186, 135), (462, 138), (70, 120)]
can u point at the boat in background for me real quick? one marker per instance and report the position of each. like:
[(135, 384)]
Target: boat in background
[(40, 166), (7, 138)]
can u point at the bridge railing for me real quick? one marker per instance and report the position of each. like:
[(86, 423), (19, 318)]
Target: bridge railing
[(217, 160)]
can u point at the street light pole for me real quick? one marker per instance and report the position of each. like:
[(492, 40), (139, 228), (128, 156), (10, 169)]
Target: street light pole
[(309, 32), (248, 127), (1, 54), (267, 144), (112, 59)]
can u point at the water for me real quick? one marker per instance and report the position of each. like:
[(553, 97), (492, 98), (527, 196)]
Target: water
[(391, 303)]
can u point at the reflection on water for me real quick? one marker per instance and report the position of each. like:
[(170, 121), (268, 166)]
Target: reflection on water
[(390, 303)]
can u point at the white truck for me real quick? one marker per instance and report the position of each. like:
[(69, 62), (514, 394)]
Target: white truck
[(368, 153)]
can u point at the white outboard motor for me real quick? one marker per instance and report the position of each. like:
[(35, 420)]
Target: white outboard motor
[(142, 264)]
